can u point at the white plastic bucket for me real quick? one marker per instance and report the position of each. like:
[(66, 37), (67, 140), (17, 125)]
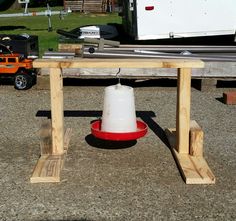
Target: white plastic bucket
[(119, 109)]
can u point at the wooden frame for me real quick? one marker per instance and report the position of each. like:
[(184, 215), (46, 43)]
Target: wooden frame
[(191, 162)]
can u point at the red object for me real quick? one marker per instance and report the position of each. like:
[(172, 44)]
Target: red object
[(149, 8), (97, 132), (229, 97)]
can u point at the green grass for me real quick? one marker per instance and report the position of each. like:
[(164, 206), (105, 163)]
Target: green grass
[(38, 25)]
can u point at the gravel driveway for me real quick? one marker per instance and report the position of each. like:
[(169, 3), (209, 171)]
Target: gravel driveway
[(102, 181)]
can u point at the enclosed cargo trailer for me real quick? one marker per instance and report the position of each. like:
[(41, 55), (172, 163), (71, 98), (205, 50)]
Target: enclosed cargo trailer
[(152, 19)]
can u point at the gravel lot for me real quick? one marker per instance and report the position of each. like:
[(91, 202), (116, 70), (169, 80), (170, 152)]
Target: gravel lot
[(102, 181)]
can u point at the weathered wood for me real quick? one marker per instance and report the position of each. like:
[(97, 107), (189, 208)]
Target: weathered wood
[(183, 110), (92, 6), (57, 111), (117, 63), (196, 139), (76, 5), (194, 169)]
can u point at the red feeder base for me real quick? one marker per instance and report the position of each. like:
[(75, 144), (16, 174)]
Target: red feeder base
[(117, 136)]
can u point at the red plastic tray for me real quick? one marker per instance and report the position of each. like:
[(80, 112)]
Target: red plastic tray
[(116, 136)]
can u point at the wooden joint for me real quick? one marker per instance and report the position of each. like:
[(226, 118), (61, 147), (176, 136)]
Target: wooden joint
[(49, 165), (192, 165)]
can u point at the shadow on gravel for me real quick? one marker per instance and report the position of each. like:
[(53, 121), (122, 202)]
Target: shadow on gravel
[(226, 84), (146, 116), (108, 144), (220, 99), (135, 83)]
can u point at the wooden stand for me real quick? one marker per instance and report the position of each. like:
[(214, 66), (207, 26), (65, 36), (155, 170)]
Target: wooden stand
[(53, 143), (186, 143), (192, 165)]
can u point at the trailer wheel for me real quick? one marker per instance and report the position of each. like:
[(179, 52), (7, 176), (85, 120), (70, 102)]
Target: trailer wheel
[(22, 82)]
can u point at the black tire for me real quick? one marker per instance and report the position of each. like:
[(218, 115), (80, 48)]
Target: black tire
[(22, 81)]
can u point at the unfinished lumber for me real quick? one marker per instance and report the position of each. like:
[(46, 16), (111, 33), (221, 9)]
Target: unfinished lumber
[(69, 47), (49, 166), (194, 169), (183, 110), (45, 134), (47, 169), (195, 164), (57, 111), (196, 139), (117, 63)]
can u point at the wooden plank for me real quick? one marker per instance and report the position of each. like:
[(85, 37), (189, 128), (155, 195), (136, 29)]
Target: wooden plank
[(57, 111), (69, 47), (45, 134), (67, 138), (47, 169), (116, 63), (183, 110), (74, 5), (196, 139), (194, 169), (49, 166)]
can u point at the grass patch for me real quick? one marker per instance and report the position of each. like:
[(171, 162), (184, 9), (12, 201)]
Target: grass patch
[(38, 25)]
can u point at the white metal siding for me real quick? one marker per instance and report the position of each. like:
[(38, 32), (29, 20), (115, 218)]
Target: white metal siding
[(185, 18)]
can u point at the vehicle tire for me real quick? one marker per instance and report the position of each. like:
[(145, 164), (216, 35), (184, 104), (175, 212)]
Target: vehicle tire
[(22, 82)]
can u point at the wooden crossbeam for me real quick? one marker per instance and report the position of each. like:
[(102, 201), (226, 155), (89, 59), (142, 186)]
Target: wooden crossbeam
[(117, 63)]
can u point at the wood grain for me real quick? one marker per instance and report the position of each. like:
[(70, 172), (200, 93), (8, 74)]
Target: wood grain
[(194, 169), (116, 63), (57, 110), (183, 110)]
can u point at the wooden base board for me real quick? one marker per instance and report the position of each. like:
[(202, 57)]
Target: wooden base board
[(194, 169), (49, 166), (47, 169)]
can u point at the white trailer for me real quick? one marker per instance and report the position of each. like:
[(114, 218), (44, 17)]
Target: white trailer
[(162, 19)]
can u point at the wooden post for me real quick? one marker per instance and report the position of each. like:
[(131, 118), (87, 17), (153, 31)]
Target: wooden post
[(57, 112), (183, 110)]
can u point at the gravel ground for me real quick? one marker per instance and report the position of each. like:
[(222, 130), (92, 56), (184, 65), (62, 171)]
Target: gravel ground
[(101, 182)]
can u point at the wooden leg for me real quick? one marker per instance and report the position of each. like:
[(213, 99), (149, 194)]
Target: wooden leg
[(54, 143), (186, 143), (183, 110), (57, 112)]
